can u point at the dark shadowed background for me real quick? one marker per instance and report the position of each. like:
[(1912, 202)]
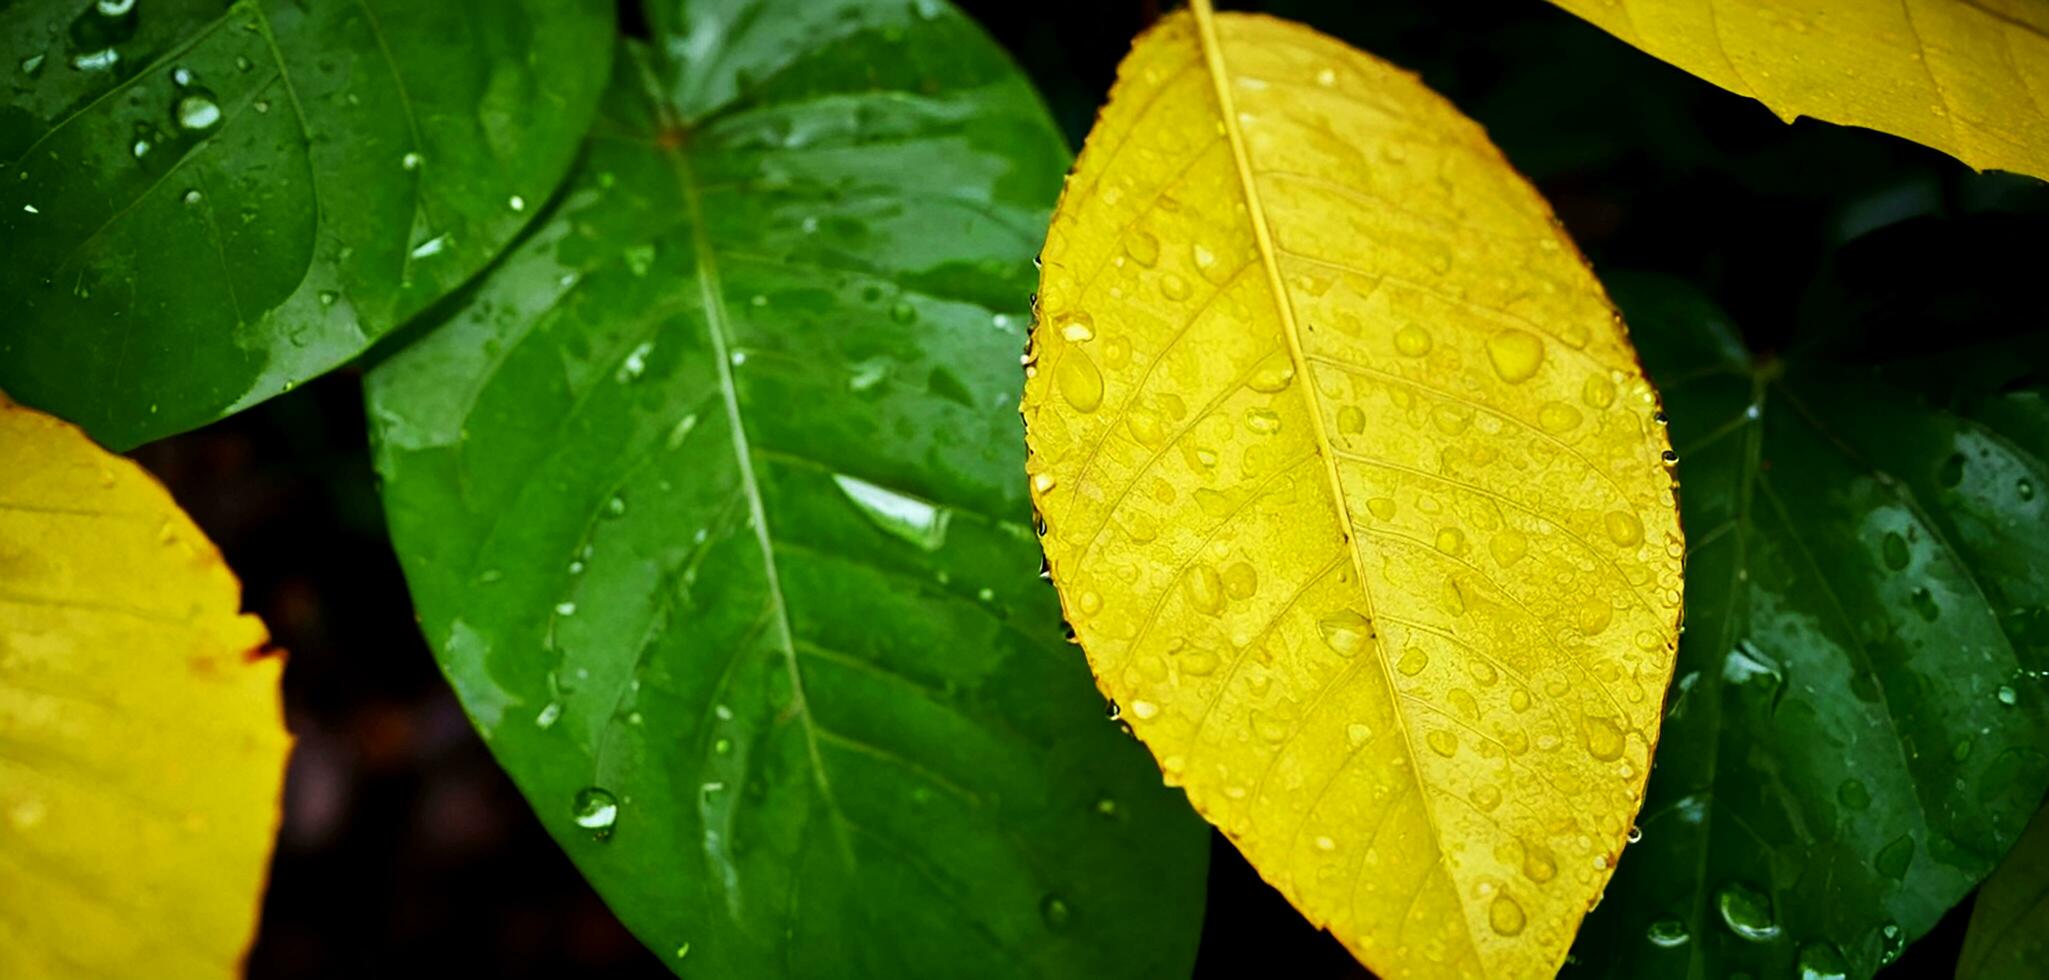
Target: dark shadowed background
[(406, 852)]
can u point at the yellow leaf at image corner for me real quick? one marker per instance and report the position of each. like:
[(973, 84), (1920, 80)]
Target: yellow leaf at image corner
[(1967, 77), (142, 744), (1354, 494)]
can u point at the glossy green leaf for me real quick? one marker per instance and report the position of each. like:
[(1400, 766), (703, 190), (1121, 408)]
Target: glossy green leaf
[(1855, 730), (206, 203), (712, 501), (2008, 938)]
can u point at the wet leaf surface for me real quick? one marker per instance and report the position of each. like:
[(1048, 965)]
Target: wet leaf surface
[(1354, 493), (206, 204), (1855, 733), (711, 499)]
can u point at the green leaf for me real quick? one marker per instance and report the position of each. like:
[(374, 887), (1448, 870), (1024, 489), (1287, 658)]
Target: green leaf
[(1854, 731), (711, 498), (205, 204), (2011, 916)]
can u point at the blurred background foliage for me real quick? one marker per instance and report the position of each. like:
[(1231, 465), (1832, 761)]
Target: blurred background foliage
[(406, 852)]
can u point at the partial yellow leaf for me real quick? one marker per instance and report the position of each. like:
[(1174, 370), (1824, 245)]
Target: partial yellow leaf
[(1967, 77), (1353, 492), (142, 744)]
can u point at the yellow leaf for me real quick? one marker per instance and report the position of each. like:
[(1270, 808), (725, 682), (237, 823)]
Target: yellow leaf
[(142, 745), (1967, 77), (1353, 492)]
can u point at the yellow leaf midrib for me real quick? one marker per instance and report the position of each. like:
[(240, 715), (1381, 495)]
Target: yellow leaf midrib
[(1220, 78)]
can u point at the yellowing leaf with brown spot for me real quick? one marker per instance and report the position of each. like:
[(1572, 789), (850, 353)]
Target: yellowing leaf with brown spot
[(1353, 492), (1967, 77), (142, 745)]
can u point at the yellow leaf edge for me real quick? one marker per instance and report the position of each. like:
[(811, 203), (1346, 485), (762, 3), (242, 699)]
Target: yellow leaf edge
[(1201, 11), (252, 650), (1834, 79)]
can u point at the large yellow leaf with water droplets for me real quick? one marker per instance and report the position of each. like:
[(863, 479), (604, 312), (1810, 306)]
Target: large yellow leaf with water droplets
[(1967, 77), (1353, 492), (142, 745)]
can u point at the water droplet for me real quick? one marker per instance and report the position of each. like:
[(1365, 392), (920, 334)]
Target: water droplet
[(1895, 551), (1951, 472), (1079, 381), (1412, 340), (411, 161), (1115, 351), (1506, 916), (1892, 941), (1347, 632), (1623, 528), (682, 950), (565, 609), (1635, 834), (1055, 911), (1823, 961), (902, 311), (1043, 483), (1853, 795), (1667, 933), (1272, 378), (1557, 416), (1240, 581), (1113, 710), (1205, 589), (1451, 541), (191, 197), (1604, 738), (430, 247), (549, 714), (1746, 911), (32, 65), (1143, 247), (100, 60), (1144, 710), (516, 202), (2007, 695), (1262, 420), (242, 63), (1413, 661), (1508, 547), (1516, 354), (1174, 287), (1486, 796), (615, 507), (196, 111), (1924, 603), (1538, 864), (1326, 77), (1893, 859), (916, 521), (1351, 421), (635, 363), (596, 810), (2025, 489), (1078, 328), (1598, 392), (1442, 742), (1382, 508)]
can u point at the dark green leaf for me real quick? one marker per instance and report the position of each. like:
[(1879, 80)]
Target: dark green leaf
[(2008, 938), (1854, 730), (712, 502), (206, 203)]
